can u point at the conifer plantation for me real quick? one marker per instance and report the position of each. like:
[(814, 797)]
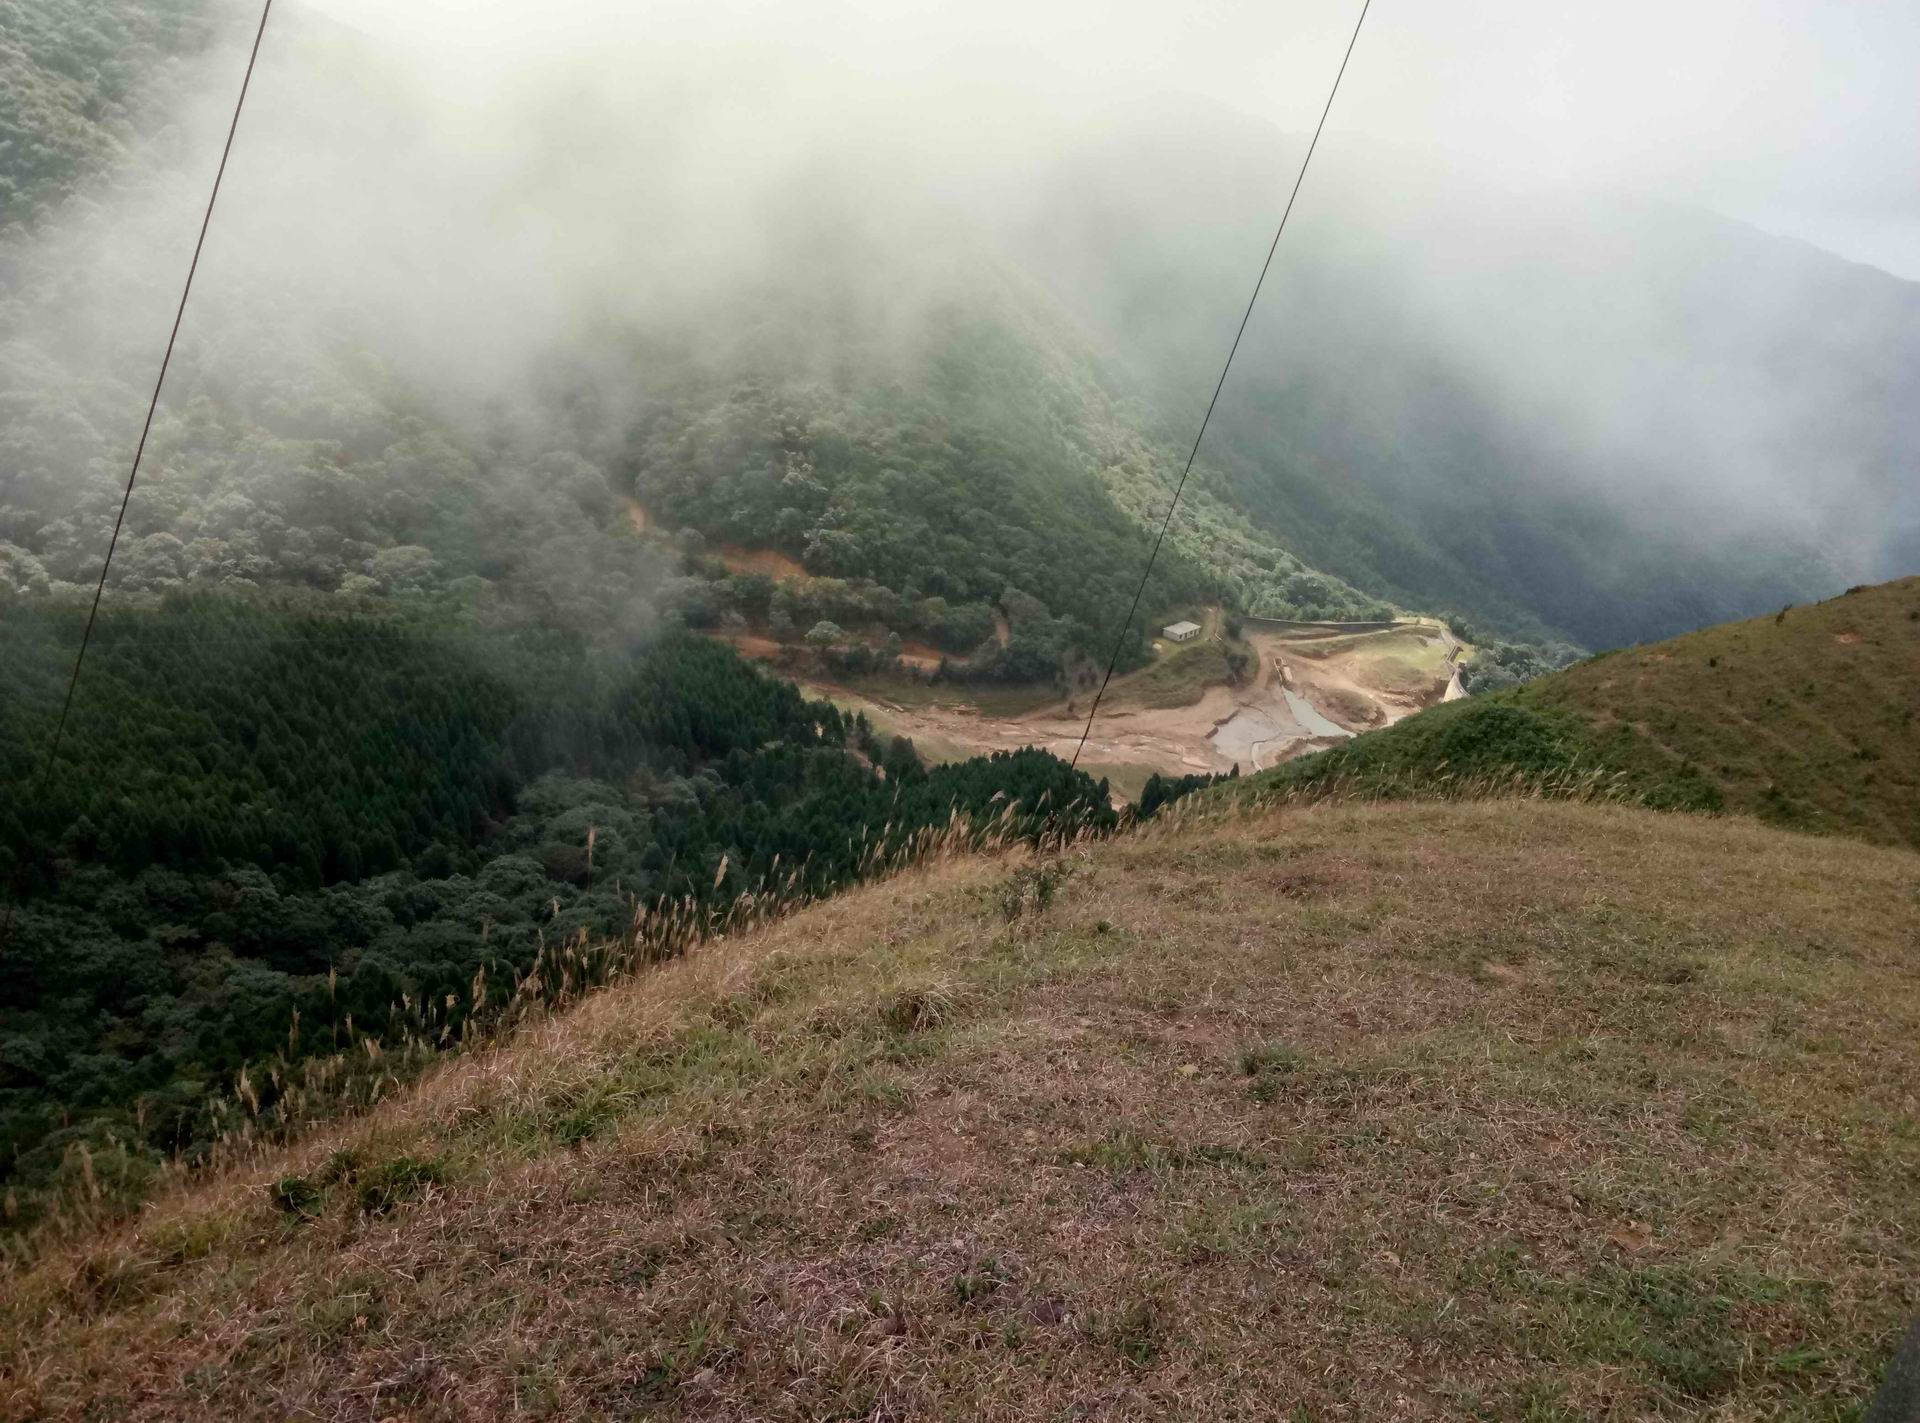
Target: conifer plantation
[(278, 827)]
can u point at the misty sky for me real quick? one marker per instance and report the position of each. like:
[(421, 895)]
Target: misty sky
[(1794, 115)]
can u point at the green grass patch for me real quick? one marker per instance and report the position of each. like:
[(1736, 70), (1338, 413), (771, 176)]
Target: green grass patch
[(1806, 721), (1123, 1152), (1136, 1331), (1480, 746), (1178, 677), (375, 1187)]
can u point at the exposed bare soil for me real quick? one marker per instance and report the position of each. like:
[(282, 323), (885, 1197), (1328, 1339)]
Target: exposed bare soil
[(1295, 701), (776, 565)]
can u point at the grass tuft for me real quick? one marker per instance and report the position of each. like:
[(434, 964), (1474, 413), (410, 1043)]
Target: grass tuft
[(920, 1007)]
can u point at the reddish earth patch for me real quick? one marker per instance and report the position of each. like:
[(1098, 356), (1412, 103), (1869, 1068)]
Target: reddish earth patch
[(766, 649), (752, 644), (921, 654), (776, 565)]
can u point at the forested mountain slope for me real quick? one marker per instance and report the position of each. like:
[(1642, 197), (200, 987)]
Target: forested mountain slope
[(888, 401), (286, 832), (1597, 414), (1809, 718), (976, 456), (390, 694), (1603, 421), (1497, 1110), (77, 78)]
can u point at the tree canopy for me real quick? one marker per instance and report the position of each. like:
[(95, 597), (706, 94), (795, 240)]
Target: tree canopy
[(275, 819)]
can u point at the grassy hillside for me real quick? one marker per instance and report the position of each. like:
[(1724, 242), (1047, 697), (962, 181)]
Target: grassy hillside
[(1809, 719), (1495, 1110), (1179, 675)]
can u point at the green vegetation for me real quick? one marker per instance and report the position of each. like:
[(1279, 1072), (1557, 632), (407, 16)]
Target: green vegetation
[(286, 828), (73, 77), (1804, 719), (1180, 675), (1521, 1110), (969, 484), (931, 465), (1160, 791), (1809, 718), (1469, 747), (1373, 449), (1433, 521)]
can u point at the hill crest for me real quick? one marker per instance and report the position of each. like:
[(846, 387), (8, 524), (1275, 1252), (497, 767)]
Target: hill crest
[(1504, 1109), (1805, 718)]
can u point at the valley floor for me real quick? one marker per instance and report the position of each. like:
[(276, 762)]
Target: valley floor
[(1303, 693), (1496, 1110)]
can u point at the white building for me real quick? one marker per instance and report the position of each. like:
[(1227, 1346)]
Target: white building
[(1180, 632)]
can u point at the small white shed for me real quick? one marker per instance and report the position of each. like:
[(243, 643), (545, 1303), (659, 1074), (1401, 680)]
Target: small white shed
[(1180, 632)]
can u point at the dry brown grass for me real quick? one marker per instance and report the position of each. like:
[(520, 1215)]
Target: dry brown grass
[(1515, 1110)]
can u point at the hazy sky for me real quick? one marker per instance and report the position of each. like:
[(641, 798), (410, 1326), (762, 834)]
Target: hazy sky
[(1796, 115)]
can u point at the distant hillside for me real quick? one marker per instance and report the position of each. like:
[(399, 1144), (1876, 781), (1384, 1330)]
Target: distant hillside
[(74, 75), (882, 397), (1502, 1111), (949, 436), (1595, 414), (1809, 719), (1596, 420)]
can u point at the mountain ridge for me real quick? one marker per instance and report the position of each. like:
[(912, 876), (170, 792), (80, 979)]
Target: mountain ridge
[(1365, 441), (1376, 425)]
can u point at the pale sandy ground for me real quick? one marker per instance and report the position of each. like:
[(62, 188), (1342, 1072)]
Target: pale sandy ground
[(1289, 708)]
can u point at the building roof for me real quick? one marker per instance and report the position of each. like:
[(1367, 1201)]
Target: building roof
[(1181, 629)]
